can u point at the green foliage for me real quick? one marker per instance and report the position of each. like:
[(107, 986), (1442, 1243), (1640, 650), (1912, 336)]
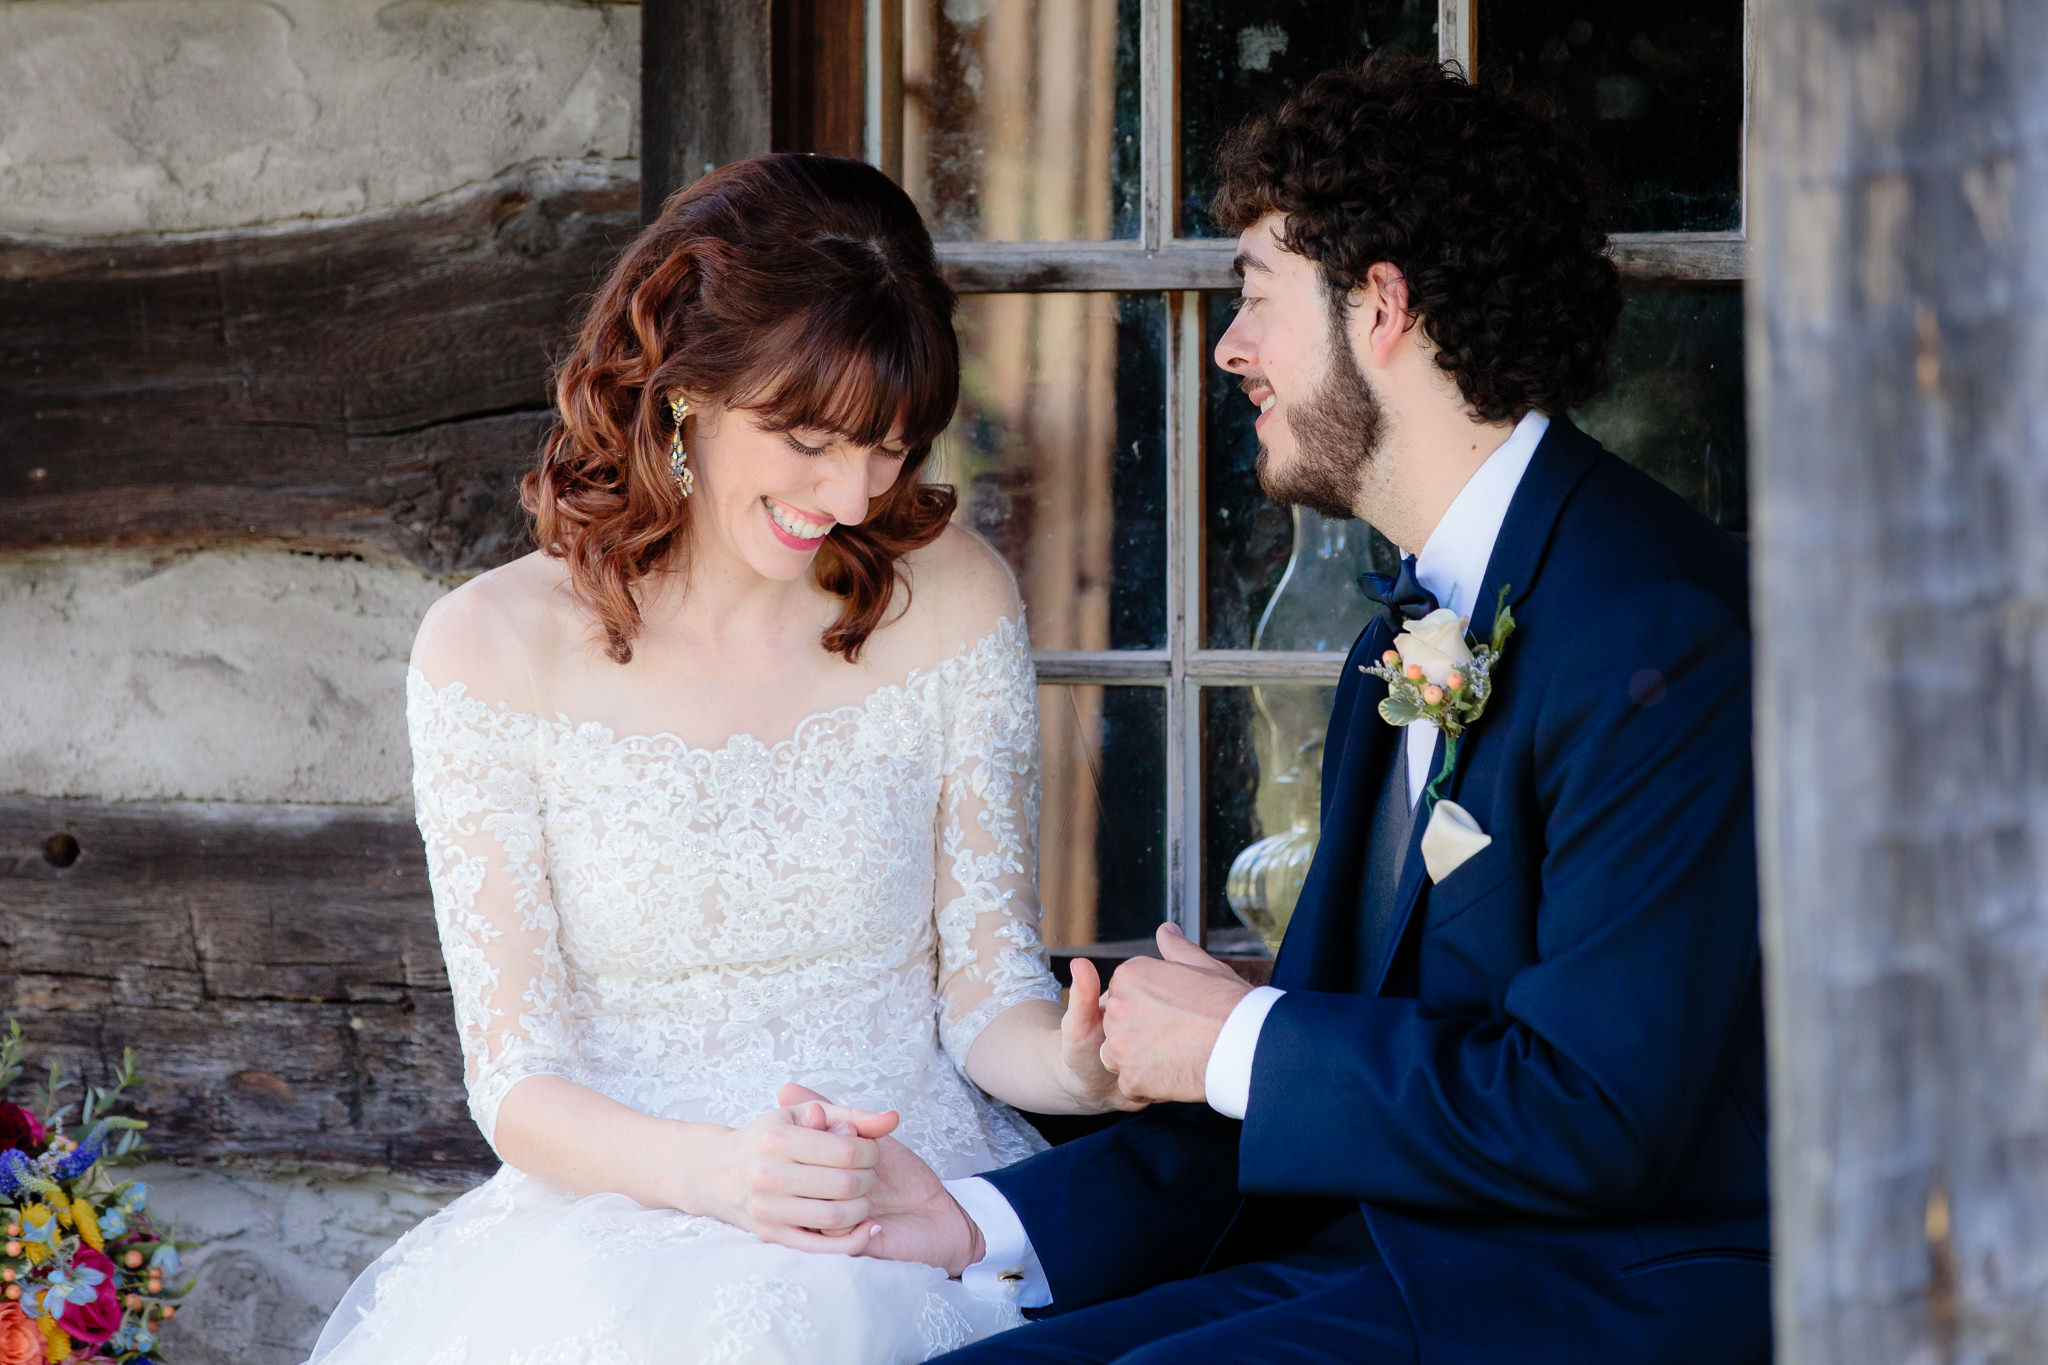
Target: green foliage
[(10, 1053), (1503, 624), (1399, 710)]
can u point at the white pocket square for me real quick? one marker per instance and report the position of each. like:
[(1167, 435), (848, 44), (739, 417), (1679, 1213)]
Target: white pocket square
[(1452, 837)]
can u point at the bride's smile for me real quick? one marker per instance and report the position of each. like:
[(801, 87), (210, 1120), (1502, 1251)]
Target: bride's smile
[(770, 498)]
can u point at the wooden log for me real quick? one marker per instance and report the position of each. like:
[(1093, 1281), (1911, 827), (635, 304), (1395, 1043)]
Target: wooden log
[(1898, 344), (275, 966), (377, 385)]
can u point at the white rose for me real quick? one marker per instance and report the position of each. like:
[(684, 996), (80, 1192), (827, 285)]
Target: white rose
[(1435, 644)]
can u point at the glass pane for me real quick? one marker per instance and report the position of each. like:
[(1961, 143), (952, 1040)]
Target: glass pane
[(1239, 59), (1262, 755), (1020, 118), (1059, 452), (1102, 845), (1674, 406), (1250, 540), (1654, 90)]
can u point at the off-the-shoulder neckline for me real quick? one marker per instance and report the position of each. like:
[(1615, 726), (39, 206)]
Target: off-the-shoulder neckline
[(457, 692)]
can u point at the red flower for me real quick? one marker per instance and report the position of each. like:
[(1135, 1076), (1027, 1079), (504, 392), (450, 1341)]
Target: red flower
[(92, 1323), (20, 1129)]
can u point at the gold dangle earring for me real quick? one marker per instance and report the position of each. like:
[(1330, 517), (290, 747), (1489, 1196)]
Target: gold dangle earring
[(678, 458)]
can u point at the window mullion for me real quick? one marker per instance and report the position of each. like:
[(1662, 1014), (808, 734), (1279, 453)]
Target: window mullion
[(1155, 124), (1457, 32), (1185, 512)]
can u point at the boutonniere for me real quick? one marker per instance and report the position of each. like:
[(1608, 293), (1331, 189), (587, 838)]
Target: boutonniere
[(1437, 673)]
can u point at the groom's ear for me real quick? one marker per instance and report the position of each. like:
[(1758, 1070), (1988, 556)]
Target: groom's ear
[(1377, 317)]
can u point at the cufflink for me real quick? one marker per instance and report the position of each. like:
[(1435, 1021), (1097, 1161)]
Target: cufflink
[(1012, 1278)]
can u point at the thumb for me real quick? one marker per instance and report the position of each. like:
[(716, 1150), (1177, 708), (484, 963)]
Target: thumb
[(1084, 1002), (1175, 947), (860, 1122)]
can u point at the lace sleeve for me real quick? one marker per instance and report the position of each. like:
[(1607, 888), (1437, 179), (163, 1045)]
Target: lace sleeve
[(478, 801), (990, 954)]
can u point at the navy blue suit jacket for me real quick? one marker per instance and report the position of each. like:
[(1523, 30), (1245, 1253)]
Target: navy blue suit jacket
[(1548, 1098)]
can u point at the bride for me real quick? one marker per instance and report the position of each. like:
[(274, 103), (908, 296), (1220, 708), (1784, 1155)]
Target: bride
[(733, 784)]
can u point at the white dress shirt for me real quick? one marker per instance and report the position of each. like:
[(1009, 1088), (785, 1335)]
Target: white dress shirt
[(1452, 564)]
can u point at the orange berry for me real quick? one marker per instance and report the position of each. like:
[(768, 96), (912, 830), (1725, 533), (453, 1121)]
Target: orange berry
[(133, 1303), (13, 1292), (1432, 694), (7, 1275), (14, 1229), (1455, 682), (170, 1311), (133, 1260), (13, 1248), (1413, 673), (1392, 658)]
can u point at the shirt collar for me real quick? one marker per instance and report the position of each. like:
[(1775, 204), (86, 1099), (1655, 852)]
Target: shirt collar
[(1453, 562)]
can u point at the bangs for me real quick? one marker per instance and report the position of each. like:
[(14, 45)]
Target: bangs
[(859, 368)]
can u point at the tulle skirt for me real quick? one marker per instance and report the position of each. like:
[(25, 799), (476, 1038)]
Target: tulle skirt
[(519, 1272)]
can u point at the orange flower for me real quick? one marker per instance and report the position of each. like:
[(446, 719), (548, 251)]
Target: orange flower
[(21, 1343)]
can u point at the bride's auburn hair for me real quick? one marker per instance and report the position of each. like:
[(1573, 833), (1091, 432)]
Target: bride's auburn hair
[(802, 290)]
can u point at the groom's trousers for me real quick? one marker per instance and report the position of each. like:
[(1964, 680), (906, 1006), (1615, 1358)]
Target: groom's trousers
[(1330, 1303)]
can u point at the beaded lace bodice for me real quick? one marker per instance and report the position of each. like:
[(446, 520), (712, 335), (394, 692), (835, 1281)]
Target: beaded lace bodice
[(685, 929)]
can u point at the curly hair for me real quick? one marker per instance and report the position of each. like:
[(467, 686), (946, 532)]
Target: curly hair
[(1477, 197), (800, 289)]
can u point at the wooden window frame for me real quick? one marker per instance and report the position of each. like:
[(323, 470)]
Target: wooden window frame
[(1158, 261)]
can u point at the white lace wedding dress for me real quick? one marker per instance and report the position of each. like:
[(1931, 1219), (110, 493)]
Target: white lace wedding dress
[(684, 930)]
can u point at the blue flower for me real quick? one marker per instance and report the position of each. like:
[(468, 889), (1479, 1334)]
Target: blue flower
[(134, 1198), (165, 1258), (44, 1232), (78, 1284), (76, 1163), (113, 1223), (14, 1171)]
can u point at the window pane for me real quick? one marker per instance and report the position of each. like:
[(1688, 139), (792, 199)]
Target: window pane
[(1059, 452), (1020, 118), (1250, 539), (1238, 59), (1654, 90), (1674, 405), (1102, 845), (1262, 755)]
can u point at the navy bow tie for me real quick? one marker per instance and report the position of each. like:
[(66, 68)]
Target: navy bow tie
[(1399, 599)]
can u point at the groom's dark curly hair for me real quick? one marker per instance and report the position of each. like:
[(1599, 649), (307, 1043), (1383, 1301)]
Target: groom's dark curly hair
[(1478, 198)]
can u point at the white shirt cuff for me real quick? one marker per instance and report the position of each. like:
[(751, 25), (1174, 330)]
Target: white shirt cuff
[(1008, 1268), (1227, 1084)]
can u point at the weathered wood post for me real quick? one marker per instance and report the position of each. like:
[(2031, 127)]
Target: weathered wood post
[(704, 90), (1898, 342)]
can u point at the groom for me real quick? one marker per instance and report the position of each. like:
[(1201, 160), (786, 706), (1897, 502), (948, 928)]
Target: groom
[(1504, 1100)]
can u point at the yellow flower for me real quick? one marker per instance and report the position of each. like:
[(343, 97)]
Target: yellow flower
[(56, 1344), (36, 1216), (87, 1221)]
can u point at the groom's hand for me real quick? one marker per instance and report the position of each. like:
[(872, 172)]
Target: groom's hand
[(1161, 1018), (911, 1217)]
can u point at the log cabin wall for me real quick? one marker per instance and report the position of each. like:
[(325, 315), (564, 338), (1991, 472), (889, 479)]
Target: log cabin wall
[(279, 284)]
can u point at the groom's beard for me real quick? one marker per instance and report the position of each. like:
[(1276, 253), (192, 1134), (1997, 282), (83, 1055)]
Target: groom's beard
[(1337, 432)]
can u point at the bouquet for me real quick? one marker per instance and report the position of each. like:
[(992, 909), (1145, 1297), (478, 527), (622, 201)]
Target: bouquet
[(83, 1269)]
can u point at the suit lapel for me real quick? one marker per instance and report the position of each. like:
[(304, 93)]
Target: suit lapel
[(1560, 462), (1321, 937)]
